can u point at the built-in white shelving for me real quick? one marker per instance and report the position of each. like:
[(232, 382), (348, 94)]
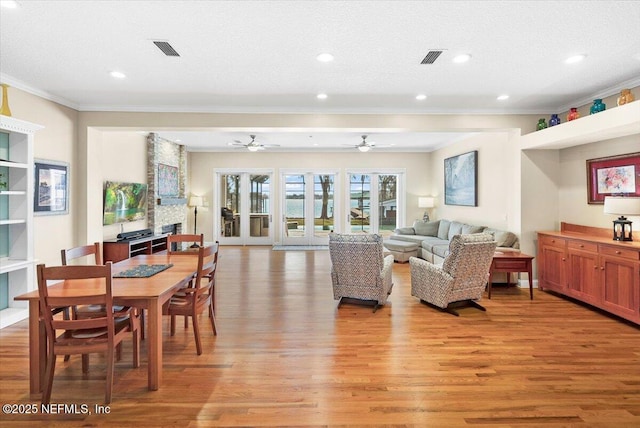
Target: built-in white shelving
[(619, 121), (16, 217)]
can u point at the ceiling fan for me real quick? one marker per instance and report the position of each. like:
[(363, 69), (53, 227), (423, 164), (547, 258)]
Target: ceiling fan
[(365, 145), (253, 145)]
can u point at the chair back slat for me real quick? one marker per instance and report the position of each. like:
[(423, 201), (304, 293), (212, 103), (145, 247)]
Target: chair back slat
[(82, 251), (207, 263), (182, 238)]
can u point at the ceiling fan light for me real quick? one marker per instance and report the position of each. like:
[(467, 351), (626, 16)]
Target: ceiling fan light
[(253, 148), (364, 149), (421, 97), (322, 96)]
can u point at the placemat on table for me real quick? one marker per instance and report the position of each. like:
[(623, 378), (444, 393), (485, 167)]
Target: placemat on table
[(142, 271)]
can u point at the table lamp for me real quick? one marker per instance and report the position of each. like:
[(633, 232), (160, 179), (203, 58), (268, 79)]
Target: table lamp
[(195, 202), (622, 206), (425, 202)]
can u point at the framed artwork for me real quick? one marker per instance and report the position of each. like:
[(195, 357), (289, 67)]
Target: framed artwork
[(461, 179), (613, 176), (168, 180), (51, 193)]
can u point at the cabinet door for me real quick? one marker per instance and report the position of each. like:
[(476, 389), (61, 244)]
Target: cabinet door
[(583, 281), (621, 282), (553, 270)]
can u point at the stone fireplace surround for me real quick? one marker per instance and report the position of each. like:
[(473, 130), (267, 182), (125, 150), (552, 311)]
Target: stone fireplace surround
[(166, 212)]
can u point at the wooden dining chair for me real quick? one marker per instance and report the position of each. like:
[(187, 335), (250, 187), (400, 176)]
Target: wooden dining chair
[(174, 242), (88, 255), (193, 300), (84, 335)]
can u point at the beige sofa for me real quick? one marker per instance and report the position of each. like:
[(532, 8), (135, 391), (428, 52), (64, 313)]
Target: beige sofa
[(433, 237)]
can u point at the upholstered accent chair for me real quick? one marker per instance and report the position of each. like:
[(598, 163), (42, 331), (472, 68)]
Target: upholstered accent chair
[(461, 279), (359, 271)]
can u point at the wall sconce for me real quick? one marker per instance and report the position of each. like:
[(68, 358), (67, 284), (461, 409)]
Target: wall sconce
[(426, 202), (622, 206)]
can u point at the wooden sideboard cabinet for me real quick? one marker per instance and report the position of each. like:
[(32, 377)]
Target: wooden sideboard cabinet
[(587, 264), (115, 251)]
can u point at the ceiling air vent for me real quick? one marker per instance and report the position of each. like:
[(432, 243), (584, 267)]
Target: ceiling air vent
[(431, 57), (166, 48)]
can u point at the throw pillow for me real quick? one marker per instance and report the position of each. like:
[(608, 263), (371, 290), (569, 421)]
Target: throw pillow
[(443, 229), (426, 228), (454, 229), (468, 229), (502, 237), (405, 231)]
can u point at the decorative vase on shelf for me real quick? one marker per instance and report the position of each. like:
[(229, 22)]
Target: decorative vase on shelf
[(541, 124), (625, 97), (4, 109), (597, 106), (573, 114), (554, 120)]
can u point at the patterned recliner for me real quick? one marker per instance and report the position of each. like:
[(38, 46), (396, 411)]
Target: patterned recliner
[(461, 278), (358, 268)]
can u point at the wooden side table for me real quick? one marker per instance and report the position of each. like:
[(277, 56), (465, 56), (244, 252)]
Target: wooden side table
[(511, 261)]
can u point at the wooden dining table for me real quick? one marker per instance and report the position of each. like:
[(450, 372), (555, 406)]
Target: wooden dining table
[(148, 293)]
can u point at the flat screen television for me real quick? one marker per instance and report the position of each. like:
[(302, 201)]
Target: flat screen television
[(124, 202)]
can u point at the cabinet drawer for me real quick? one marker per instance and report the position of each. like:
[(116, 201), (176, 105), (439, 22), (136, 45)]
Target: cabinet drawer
[(625, 253), (552, 241), (584, 246)]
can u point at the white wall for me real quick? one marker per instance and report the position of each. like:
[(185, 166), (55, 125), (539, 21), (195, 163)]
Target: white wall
[(55, 142), (202, 165), (572, 195), (498, 178), (123, 158)]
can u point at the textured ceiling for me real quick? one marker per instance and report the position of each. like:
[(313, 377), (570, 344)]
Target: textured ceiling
[(260, 56)]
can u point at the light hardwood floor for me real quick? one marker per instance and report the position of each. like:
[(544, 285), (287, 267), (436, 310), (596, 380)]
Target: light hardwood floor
[(285, 356)]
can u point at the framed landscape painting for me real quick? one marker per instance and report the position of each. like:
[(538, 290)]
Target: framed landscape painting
[(51, 195), (613, 176), (461, 179)]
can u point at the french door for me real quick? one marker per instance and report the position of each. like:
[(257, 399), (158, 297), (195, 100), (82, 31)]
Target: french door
[(244, 210), (309, 207), (375, 201)]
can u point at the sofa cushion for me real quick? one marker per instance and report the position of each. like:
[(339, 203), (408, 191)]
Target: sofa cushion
[(426, 228), (405, 231), (429, 242), (441, 250), (502, 237), (454, 229), (468, 229), (409, 238), (443, 229)]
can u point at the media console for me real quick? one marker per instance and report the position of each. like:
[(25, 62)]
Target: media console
[(116, 250)]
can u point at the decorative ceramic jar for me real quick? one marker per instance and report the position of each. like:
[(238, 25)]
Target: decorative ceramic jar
[(541, 124), (554, 120), (625, 97), (4, 109), (573, 114), (597, 106)]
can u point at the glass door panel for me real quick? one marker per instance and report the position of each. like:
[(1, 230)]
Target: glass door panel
[(259, 203), (323, 214), (359, 203), (230, 194), (294, 207), (387, 204)]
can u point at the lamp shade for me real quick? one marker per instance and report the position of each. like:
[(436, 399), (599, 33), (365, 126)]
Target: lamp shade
[(621, 205), (425, 202), (195, 201)]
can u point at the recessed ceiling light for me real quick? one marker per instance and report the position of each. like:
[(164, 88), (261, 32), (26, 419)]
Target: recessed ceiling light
[(325, 57), (118, 74), (461, 58), (421, 97), (9, 4), (575, 58), (322, 96), (502, 97)]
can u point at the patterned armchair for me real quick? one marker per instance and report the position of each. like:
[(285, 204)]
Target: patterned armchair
[(359, 272), (462, 277)]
